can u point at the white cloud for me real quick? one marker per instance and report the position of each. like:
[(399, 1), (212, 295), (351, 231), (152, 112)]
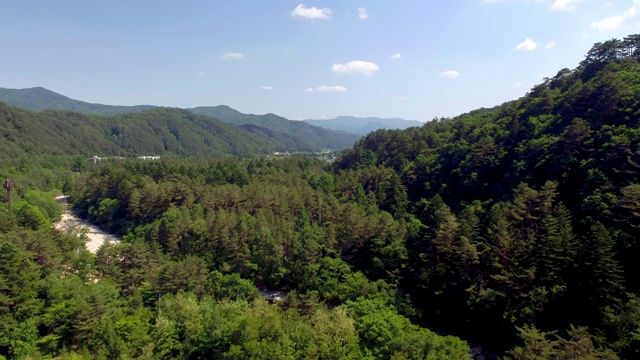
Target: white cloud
[(266, 88), (311, 12), (528, 45), (396, 57), (450, 74), (325, 88), (614, 22), (308, 90), (362, 13), (202, 73), (550, 45), (233, 56), (356, 67), (564, 5), (402, 98)]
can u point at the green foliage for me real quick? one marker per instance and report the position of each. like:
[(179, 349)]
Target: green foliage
[(19, 278), (30, 217), (542, 345), (232, 287), (45, 202), (336, 283), (386, 334)]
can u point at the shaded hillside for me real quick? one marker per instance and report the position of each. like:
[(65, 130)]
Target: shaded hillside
[(38, 98), (313, 137), (526, 213), (363, 126), (160, 131)]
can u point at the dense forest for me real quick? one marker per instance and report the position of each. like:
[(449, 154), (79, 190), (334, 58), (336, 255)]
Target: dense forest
[(505, 232), (199, 235), (528, 212)]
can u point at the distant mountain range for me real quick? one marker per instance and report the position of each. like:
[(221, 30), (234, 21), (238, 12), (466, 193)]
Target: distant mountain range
[(283, 134), (363, 126), (307, 135)]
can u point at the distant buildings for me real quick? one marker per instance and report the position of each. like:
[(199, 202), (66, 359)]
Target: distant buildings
[(95, 158), (148, 157)]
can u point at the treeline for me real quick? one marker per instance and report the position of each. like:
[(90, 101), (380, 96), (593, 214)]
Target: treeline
[(613, 50)]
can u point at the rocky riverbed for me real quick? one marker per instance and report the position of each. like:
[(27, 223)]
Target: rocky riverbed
[(96, 236)]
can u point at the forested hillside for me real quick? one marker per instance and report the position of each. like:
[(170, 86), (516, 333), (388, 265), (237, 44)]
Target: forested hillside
[(160, 131), (38, 99), (314, 136), (283, 133), (528, 212)]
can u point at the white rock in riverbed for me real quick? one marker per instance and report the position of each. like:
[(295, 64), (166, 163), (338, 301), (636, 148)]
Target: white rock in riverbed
[(96, 236)]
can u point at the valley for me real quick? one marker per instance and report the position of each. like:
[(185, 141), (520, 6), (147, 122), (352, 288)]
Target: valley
[(505, 232)]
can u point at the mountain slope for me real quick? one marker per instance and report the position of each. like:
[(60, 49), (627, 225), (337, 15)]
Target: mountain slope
[(160, 131), (298, 136), (38, 98), (314, 137), (363, 126), (526, 214)]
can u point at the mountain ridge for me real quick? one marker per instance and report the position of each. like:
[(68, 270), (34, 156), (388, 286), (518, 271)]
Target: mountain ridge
[(307, 137), (158, 131), (40, 98), (303, 131)]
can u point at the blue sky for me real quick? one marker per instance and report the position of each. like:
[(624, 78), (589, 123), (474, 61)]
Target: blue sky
[(313, 59)]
